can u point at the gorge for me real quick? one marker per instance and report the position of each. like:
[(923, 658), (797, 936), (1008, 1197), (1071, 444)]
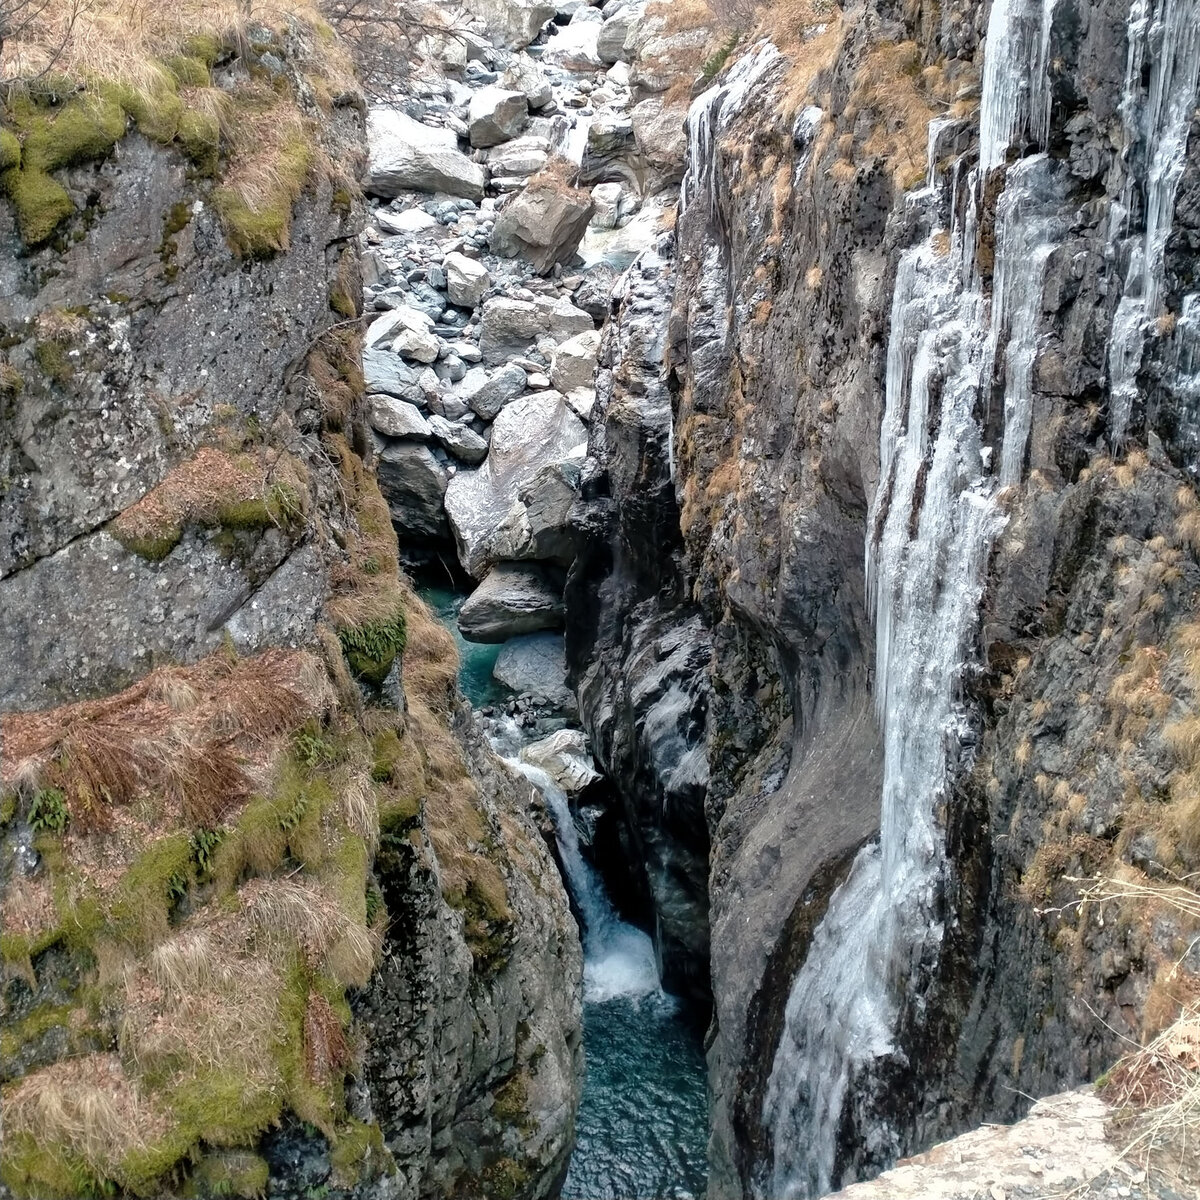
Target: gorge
[(604, 611)]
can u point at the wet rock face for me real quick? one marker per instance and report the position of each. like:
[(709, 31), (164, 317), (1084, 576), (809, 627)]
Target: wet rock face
[(133, 344), (636, 647), (785, 262)]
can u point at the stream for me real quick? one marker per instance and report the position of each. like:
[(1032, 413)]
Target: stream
[(642, 1128)]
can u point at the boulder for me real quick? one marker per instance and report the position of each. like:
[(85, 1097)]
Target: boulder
[(526, 76), (388, 373), (404, 155), (464, 443), (544, 224), (661, 136), (574, 362), (524, 156), (411, 220), (614, 33), (510, 601), (512, 24), (530, 434), (536, 665), (487, 396), (384, 329), (507, 327), (565, 757), (574, 47), (397, 418), (536, 526), (607, 200), (420, 345), (466, 279), (563, 320), (413, 483), (608, 134), (659, 58), (496, 116)]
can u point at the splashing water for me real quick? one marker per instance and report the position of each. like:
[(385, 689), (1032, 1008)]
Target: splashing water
[(932, 523)]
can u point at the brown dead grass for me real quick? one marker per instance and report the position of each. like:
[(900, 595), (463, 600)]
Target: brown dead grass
[(106, 754), (88, 1104), (891, 87), (198, 491), (126, 40)]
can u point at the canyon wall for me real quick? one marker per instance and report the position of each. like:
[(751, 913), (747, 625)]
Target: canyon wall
[(275, 920), (816, 169)]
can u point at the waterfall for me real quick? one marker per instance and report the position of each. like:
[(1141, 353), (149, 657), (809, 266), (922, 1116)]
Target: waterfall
[(618, 959), (1167, 32), (931, 526)]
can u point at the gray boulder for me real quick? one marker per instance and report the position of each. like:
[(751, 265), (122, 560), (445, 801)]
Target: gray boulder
[(421, 345), (512, 600), (466, 279), (661, 137), (536, 525), (614, 33), (413, 483), (406, 155), (464, 443), (536, 665), (512, 24), (412, 220), (524, 156), (526, 76), (530, 434), (496, 116), (564, 320), (495, 391), (544, 224), (574, 362), (388, 373), (607, 199), (565, 757), (508, 327), (397, 418)]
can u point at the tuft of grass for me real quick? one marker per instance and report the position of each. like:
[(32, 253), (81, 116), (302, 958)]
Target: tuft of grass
[(273, 154)]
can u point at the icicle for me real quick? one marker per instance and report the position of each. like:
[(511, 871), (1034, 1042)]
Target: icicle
[(1168, 32), (932, 522)]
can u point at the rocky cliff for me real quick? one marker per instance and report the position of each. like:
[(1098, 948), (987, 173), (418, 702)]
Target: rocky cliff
[(275, 921), (834, 172)]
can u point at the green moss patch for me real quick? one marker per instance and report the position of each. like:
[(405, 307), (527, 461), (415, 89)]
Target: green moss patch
[(261, 227), (371, 648), (41, 203)]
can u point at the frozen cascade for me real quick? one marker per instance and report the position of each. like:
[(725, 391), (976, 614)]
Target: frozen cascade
[(881, 931), (1167, 32), (710, 115), (1028, 228)]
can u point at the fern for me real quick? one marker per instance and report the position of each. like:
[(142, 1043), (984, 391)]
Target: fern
[(48, 812)]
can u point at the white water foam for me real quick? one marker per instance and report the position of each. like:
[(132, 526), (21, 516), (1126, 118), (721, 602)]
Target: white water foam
[(618, 959)]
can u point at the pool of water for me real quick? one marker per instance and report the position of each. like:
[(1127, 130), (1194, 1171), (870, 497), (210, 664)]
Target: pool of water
[(642, 1127), (478, 659)]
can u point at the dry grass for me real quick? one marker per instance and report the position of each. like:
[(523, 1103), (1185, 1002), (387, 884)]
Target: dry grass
[(207, 490), (88, 1105), (892, 88), (811, 35), (126, 41), (106, 754)]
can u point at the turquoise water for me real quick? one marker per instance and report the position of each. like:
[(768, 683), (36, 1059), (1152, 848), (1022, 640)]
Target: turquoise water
[(642, 1129), (475, 674)]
